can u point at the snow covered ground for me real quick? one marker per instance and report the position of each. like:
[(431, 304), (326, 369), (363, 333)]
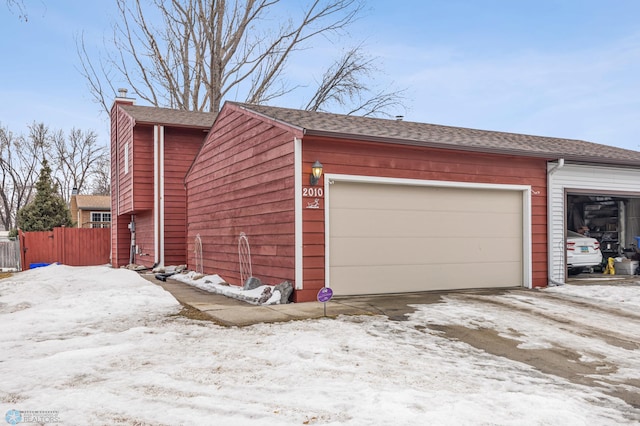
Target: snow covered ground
[(94, 346)]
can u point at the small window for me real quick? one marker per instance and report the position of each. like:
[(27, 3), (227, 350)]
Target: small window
[(126, 158), (100, 220)]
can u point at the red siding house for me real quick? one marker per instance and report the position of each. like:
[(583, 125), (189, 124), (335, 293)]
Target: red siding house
[(151, 151), (399, 207)]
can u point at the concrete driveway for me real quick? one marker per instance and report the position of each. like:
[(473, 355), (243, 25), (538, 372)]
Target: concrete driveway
[(539, 309), (600, 326)]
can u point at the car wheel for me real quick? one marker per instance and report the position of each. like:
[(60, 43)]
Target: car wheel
[(575, 271)]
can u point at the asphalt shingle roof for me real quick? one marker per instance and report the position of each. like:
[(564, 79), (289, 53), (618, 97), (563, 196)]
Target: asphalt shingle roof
[(97, 202), (170, 117), (431, 135)]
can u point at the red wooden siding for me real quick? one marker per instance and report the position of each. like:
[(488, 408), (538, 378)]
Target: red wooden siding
[(121, 135), (242, 181), (69, 246), (133, 192), (180, 149), (144, 239), (121, 188), (120, 240), (143, 168), (397, 161)]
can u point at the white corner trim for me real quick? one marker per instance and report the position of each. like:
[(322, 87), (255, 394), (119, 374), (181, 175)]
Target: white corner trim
[(299, 264), (527, 239), (328, 180), (158, 194)]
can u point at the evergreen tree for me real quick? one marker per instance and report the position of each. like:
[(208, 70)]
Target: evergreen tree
[(48, 210)]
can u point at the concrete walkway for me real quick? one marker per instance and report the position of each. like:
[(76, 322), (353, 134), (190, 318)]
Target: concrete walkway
[(226, 311), (231, 312)]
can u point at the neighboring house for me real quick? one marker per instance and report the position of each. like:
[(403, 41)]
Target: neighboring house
[(400, 207), (91, 211), (151, 151)]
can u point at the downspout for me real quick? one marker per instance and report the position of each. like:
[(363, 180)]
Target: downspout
[(550, 173)]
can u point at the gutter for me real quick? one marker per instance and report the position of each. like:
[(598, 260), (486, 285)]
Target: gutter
[(550, 173)]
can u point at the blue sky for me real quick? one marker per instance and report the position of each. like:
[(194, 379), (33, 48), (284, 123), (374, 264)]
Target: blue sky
[(564, 68)]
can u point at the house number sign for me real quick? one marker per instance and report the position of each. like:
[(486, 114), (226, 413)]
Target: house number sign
[(313, 192), (316, 193)]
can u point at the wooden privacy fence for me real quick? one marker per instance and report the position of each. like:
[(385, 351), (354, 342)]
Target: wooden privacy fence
[(10, 254), (69, 246)]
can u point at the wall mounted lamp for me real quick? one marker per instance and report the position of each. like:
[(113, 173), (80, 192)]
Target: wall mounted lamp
[(316, 172)]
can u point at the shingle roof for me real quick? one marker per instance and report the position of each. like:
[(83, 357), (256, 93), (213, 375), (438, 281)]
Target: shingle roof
[(430, 135), (95, 202), (170, 117)]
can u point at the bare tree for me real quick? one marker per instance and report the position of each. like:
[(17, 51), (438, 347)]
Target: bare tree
[(75, 158), (79, 162), (18, 7), (343, 84), (206, 51), (101, 176), (20, 160)]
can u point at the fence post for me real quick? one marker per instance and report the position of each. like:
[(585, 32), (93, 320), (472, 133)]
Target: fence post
[(23, 251), (60, 243)]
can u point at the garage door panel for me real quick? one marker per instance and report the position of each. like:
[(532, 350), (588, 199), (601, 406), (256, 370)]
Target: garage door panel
[(354, 222), (412, 278), (423, 238), (402, 197), (407, 251)]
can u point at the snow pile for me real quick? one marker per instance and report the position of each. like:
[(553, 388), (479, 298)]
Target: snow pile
[(90, 295), (101, 346), (261, 295), (625, 297)]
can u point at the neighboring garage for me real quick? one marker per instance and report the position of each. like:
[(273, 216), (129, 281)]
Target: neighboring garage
[(399, 206), (611, 218), (603, 200), (404, 236)]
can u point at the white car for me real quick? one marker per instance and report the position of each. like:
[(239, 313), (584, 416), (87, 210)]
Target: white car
[(582, 252)]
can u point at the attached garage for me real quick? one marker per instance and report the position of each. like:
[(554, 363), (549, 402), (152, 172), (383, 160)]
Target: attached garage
[(387, 235), (399, 207)]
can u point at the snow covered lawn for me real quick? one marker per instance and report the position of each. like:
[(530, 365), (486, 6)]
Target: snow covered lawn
[(94, 346)]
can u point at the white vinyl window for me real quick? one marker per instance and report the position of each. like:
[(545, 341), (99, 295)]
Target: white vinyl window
[(100, 220)]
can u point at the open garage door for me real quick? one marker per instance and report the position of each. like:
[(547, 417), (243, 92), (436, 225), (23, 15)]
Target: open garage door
[(391, 238), (602, 198), (611, 218)]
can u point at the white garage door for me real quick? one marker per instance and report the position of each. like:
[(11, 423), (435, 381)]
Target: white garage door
[(386, 238)]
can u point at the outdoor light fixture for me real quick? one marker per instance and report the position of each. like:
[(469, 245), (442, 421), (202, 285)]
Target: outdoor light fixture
[(316, 172)]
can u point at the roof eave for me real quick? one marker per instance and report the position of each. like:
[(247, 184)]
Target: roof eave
[(167, 124), (297, 130), (93, 208)]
